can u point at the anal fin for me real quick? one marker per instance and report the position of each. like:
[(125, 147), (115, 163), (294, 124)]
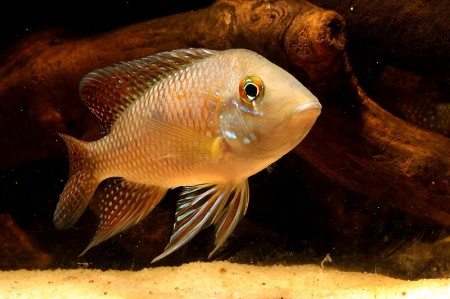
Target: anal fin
[(202, 205), (121, 204)]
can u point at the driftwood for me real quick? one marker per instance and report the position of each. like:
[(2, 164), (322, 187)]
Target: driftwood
[(355, 142), (413, 33)]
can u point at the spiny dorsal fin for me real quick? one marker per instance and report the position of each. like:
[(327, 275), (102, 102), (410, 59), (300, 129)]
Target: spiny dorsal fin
[(109, 91)]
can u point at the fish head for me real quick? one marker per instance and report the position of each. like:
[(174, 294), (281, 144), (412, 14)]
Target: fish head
[(267, 111)]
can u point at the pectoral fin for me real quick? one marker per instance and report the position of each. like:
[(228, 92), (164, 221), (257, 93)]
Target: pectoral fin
[(181, 141), (203, 205)]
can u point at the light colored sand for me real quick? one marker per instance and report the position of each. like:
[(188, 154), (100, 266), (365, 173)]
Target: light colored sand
[(215, 280)]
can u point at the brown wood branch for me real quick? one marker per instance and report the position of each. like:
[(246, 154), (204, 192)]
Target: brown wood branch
[(409, 32), (354, 142), (372, 152)]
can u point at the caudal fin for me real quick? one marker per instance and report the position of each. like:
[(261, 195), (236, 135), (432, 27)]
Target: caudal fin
[(79, 188)]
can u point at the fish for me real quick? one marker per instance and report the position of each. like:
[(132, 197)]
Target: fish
[(200, 119)]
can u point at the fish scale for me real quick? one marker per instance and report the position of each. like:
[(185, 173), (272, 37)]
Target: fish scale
[(197, 118)]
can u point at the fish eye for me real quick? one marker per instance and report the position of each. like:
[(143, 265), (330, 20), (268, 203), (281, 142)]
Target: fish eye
[(251, 89)]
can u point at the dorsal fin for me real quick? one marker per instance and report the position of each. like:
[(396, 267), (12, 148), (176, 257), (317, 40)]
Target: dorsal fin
[(109, 91)]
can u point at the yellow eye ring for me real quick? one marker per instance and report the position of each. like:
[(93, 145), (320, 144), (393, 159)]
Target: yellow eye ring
[(251, 89)]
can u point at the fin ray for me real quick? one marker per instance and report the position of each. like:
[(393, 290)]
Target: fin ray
[(203, 205), (80, 187), (226, 222), (122, 204), (190, 143), (109, 91)]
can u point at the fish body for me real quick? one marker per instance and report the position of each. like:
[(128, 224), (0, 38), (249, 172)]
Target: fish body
[(202, 119)]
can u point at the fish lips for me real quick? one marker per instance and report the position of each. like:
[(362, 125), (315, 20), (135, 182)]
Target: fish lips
[(314, 106), (289, 134), (303, 118)]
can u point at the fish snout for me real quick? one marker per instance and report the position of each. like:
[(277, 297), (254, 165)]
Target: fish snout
[(306, 114), (303, 119), (314, 105)]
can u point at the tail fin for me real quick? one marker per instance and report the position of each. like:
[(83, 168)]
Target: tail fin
[(79, 188)]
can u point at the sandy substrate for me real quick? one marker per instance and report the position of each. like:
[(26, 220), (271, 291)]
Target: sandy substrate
[(215, 280)]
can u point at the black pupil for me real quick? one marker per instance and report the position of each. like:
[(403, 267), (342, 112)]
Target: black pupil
[(251, 91)]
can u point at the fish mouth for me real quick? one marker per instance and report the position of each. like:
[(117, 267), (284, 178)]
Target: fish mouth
[(308, 106), (303, 118), (305, 113), (299, 124)]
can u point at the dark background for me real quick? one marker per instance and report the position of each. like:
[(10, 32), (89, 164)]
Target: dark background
[(81, 16)]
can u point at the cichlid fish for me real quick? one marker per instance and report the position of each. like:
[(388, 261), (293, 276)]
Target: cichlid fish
[(202, 119)]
